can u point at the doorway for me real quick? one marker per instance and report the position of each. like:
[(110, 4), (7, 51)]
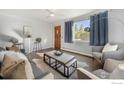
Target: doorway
[(57, 34)]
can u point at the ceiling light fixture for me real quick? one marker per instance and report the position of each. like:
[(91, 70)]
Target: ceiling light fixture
[(52, 14)]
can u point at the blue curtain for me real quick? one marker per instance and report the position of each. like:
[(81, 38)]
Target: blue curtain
[(68, 32), (99, 29)]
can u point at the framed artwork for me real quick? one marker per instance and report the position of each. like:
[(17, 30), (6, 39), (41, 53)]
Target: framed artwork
[(27, 31)]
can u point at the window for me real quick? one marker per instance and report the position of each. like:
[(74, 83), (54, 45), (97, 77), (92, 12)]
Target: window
[(80, 33)]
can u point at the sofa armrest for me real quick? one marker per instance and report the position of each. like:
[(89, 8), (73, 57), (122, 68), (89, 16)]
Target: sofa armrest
[(118, 55), (84, 74), (111, 64), (97, 48)]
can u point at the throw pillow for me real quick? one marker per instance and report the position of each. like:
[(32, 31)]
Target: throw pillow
[(2, 49), (13, 48), (109, 47)]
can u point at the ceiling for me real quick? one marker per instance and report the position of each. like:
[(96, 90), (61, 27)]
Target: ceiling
[(44, 14)]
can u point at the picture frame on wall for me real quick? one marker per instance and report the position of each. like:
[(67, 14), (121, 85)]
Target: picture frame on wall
[(27, 31)]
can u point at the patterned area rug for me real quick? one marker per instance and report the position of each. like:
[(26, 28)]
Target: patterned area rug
[(40, 54), (46, 68)]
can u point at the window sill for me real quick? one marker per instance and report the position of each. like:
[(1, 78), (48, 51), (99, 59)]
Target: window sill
[(80, 41)]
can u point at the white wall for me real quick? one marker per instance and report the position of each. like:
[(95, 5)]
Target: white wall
[(116, 26), (12, 26), (115, 31)]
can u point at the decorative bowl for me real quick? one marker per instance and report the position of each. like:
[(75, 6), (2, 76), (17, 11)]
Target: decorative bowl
[(58, 52)]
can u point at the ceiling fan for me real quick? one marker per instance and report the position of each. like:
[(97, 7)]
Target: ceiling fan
[(52, 13)]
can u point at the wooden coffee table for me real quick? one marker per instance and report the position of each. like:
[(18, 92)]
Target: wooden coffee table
[(66, 62)]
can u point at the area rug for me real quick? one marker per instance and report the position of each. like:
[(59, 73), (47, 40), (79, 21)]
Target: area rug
[(40, 54), (46, 68)]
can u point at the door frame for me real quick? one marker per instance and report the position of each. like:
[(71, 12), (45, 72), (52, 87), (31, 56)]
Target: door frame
[(58, 26)]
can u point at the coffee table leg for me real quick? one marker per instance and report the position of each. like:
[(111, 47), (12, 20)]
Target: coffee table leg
[(50, 61), (67, 72), (55, 64), (44, 57), (76, 64), (64, 71)]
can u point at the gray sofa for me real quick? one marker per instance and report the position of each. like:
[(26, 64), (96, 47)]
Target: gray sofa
[(101, 57)]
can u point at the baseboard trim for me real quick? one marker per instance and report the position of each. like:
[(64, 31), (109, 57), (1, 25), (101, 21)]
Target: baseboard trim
[(48, 48), (77, 52)]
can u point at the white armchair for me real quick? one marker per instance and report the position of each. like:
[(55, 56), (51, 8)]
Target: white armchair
[(113, 69)]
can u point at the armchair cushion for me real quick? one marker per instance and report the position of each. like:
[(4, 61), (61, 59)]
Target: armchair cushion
[(101, 73), (84, 74), (111, 64), (113, 69), (118, 73)]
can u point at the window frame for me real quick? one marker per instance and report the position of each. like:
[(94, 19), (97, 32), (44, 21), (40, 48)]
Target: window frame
[(76, 40)]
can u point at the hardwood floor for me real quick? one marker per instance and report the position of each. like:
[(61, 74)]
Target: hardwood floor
[(92, 65)]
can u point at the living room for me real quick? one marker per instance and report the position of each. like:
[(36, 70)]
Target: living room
[(61, 46), (36, 33)]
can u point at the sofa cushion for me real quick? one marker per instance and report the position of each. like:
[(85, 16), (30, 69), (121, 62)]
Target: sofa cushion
[(12, 68), (109, 47), (101, 73), (19, 56), (18, 72), (7, 62)]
